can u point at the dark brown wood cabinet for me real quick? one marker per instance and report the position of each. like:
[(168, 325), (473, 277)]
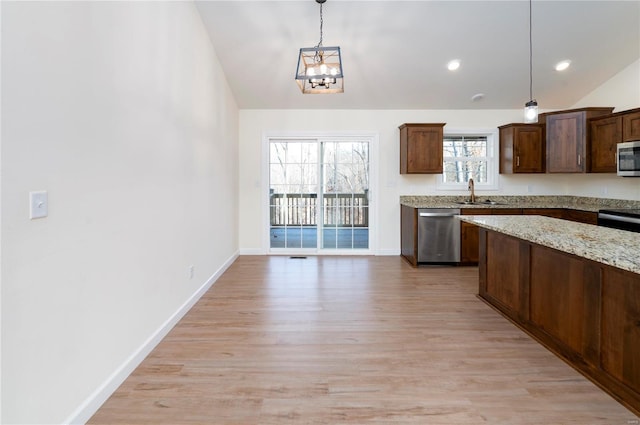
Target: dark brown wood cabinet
[(567, 133), (588, 217), (469, 236), (409, 234), (547, 212), (606, 133), (522, 148), (621, 326), (421, 148), (469, 251), (631, 125), (586, 312)]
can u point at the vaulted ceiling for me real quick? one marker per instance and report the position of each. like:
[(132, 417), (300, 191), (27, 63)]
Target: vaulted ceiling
[(395, 52)]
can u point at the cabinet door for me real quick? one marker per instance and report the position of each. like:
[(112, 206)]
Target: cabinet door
[(631, 127), (587, 217), (469, 236), (620, 349), (503, 278), (421, 148), (606, 133), (529, 149), (566, 143), (547, 212), (522, 148), (409, 234), (556, 294)]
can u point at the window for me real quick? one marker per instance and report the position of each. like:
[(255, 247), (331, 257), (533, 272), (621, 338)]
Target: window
[(469, 155)]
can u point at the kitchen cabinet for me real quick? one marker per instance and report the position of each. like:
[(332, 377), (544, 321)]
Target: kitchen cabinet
[(522, 148), (547, 212), (606, 133), (409, 234), (469, 252), (469, 236), (567, 133), (621, 326), (588, 217), (631, 125), (584, 311), (421, 148)]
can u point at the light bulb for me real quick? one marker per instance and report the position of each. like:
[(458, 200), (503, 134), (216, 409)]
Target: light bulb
[(531, 112), (323, 69)]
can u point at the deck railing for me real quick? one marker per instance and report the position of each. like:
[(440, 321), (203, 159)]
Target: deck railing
[(339, 209)]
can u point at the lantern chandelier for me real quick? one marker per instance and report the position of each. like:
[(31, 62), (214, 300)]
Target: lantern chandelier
[(320, 68), (531, 107)]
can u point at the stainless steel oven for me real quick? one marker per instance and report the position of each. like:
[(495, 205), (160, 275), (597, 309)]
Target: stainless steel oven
[(628, 158), (623, 219)]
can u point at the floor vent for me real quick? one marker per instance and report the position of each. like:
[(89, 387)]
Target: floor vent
[(298, 258)]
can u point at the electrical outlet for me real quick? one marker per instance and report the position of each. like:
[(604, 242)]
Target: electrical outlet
[(190, 271)]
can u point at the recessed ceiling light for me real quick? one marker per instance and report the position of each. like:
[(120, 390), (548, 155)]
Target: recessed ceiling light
[(453, 65), (561, 66)]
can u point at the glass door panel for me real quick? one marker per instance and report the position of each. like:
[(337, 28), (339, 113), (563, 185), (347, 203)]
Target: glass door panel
[(319, 204)]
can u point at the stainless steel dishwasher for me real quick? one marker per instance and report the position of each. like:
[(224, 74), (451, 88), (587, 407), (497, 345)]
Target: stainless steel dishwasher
[(438, 235)]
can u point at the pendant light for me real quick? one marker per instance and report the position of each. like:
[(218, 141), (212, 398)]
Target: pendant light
[(531, 107), (320, 68)]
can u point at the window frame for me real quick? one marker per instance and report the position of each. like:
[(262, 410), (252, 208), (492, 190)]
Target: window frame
[(492, 160)]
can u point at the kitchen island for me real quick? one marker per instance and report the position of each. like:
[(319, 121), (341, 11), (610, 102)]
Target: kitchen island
[(574, 287)]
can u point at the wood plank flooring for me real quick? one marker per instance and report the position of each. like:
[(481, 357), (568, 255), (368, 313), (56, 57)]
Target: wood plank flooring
[(352, 340)]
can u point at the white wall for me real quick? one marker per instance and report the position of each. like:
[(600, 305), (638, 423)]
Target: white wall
[(621, 92), (121, 112)]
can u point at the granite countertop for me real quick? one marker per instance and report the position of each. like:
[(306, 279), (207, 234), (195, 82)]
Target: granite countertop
[(617, 248), (569, 202)]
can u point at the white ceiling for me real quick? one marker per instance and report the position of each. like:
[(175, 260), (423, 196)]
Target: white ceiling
[(395, 52)]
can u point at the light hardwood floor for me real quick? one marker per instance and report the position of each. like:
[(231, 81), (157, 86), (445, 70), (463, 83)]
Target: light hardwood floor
[(352, 340)]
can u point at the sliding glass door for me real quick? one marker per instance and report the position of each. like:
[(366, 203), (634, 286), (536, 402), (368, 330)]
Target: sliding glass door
[(318, 194)]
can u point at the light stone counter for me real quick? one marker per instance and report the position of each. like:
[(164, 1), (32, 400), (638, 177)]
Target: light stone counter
[(617, 248), (570, 202)]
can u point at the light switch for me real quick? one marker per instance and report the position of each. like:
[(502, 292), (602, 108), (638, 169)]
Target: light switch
[(38, 204)]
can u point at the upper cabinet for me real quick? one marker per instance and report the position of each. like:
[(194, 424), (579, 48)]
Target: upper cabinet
[(606, 132), (567, 133), (522, 148), (421, 148), (631, 125)]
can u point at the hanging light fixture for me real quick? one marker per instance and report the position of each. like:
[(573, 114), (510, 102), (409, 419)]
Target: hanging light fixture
[(320, 68), (531, 107)]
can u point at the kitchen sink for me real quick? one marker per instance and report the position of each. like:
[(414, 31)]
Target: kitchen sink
[(485, 202)]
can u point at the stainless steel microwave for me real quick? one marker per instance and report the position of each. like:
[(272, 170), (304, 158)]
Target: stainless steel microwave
[(628, 156)]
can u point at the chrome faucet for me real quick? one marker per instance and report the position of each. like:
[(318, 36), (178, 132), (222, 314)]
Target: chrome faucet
[(473, 192)]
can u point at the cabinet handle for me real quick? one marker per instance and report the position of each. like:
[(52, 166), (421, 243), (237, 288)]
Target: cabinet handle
[(517, 161), (579, 159)]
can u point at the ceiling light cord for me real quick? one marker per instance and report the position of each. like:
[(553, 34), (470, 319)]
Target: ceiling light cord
[(530, 54), (321, 24)]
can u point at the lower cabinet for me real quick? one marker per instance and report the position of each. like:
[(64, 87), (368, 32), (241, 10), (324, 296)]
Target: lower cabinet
[(409, 234), (583, 311), (620, 350)]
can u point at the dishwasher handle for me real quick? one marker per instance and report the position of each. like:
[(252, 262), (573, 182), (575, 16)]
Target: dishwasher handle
[(444, 214)]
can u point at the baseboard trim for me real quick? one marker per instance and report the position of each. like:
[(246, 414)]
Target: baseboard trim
[(383, 252), (252, 251), (90, 406)]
